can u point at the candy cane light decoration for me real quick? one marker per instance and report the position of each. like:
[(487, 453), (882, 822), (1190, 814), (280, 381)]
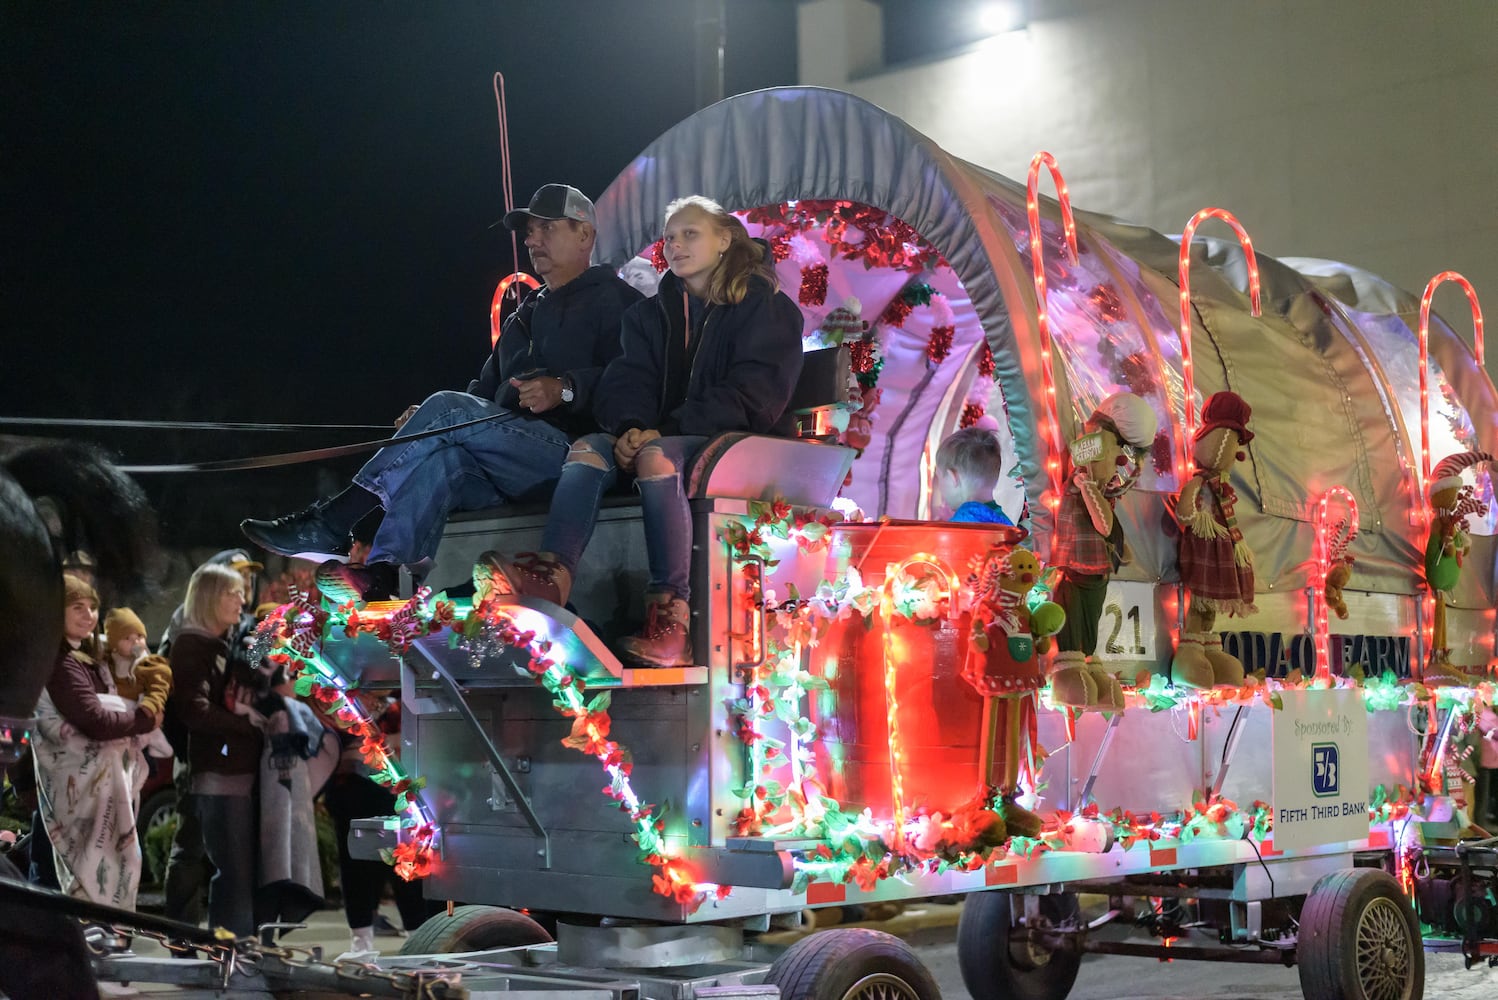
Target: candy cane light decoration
[(1424, 339), (496, 320), (1183, 269), (1037, 270), (1421, 501), (1329, 549)]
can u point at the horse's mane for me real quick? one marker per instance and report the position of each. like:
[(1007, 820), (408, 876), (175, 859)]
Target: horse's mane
[(98, 509), (56, 499)]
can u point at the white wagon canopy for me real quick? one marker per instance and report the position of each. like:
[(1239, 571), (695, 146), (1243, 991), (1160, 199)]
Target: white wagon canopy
[(935, 251)]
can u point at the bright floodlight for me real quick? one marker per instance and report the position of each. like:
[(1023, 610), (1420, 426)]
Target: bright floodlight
[(995, 17)]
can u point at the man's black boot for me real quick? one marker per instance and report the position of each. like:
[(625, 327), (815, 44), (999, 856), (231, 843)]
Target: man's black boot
[(303, 535)]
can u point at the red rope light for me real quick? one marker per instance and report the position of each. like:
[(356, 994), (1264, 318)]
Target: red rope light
[(1183, 268), (1321, 624), (1037, 270)]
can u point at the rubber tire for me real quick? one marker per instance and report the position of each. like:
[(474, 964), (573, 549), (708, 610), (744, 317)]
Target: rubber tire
[(1326, 951), (474, 928), (826, 964), (989, 971), (163, 800)]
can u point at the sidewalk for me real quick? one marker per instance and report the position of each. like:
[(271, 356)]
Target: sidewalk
[(325, 929)]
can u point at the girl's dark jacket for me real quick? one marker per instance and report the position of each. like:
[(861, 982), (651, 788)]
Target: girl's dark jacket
[(742, 375), (571, 330)]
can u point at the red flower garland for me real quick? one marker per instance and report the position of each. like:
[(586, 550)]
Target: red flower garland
[(971, 414)]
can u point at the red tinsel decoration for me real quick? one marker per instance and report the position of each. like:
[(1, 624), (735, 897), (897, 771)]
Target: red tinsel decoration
[(813, 285), (1138, 373), (985, 361), (1160, 454), (862, 354), (940, 344), (1106, 303), (658, 256), (853, 231), (971, 414), (780, 246), (896, 312)]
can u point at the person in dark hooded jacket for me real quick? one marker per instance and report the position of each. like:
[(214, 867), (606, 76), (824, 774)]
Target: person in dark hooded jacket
[(533, 397), (716, 349)]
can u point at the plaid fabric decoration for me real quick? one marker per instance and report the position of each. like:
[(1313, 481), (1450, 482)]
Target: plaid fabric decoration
[(1076, 544)]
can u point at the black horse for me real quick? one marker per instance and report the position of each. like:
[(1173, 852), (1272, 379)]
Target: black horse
[(54, 499)]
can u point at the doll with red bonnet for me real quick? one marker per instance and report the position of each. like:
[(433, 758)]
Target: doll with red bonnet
[(1217, 566)]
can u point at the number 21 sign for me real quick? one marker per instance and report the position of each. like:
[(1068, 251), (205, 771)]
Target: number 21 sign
[(1127, 630)]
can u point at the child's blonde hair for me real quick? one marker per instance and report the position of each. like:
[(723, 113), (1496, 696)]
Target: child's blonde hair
[(744, 259), (974, 455)]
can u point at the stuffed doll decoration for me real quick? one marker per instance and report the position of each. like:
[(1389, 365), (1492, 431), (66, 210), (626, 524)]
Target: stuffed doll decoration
[(1003, 665), (1451, 504), (1217, 566), (1088, 544), (1339, 568)]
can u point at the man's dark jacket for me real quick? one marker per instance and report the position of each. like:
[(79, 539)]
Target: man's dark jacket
[(740, 376), (573, 331)]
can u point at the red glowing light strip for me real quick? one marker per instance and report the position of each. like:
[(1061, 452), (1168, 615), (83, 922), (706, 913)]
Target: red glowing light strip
[(896, 747), (1037, 269), (1321, 624), (891, 668), (496, 305), (1183, 268), (1420, 500), (1424, 338)]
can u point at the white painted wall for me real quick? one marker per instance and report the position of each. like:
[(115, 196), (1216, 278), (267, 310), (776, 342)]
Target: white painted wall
[(1365, 131)]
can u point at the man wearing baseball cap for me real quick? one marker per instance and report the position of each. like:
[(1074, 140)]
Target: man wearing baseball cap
[(535, 391)]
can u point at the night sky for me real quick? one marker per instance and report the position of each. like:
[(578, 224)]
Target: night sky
[(279, 212)]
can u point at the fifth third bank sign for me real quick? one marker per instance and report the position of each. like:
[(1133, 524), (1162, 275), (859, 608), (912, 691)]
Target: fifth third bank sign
[(1320, 768)]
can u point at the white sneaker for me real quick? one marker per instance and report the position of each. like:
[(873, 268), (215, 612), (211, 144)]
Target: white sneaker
[(361, 947)]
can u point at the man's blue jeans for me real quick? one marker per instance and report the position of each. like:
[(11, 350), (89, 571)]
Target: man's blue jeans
[(514, 458)]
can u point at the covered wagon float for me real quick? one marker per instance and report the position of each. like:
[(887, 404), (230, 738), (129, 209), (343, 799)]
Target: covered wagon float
[(1271, 481)]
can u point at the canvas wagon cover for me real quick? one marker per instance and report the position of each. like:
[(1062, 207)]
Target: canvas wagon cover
[(1329, 367)]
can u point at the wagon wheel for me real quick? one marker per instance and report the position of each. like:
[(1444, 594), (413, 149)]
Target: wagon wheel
[(852, 964), (1359, 940), (996, 968), (474, 928)]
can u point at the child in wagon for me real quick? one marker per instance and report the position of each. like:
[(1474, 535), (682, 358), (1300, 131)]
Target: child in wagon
[(968, 466)]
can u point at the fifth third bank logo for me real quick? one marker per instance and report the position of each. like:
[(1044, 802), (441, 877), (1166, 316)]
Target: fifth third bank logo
[(1324, 780)]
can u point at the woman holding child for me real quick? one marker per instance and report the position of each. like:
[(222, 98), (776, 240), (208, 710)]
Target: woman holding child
[(716, 349), (89, 766)]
